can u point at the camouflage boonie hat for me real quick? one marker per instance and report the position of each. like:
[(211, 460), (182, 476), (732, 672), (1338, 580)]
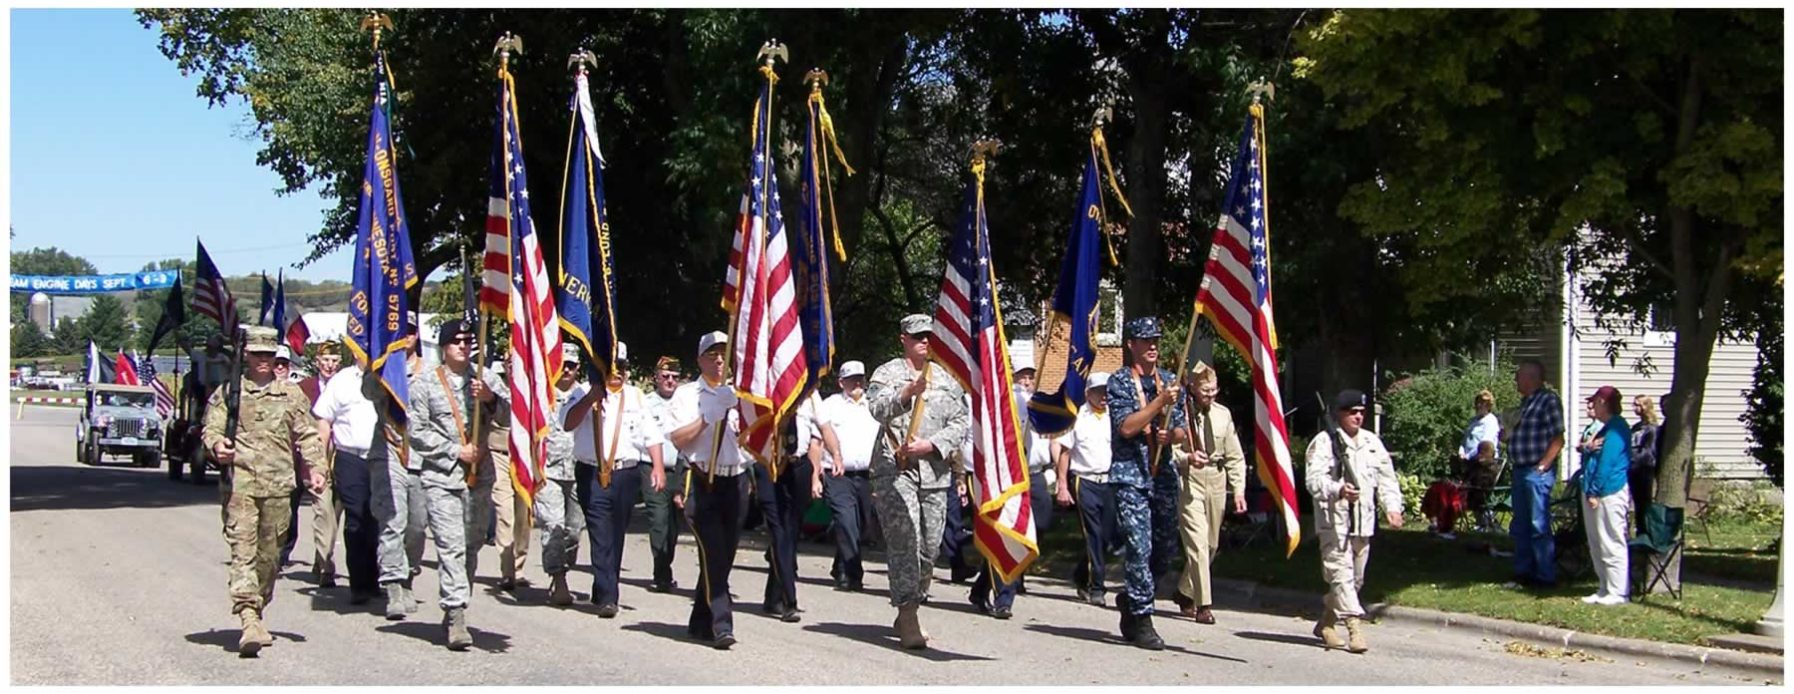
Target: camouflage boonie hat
[(917, 323), (262, 339)]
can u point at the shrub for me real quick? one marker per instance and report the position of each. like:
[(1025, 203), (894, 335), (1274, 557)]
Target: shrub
[(1426, 414), (1764, 416)]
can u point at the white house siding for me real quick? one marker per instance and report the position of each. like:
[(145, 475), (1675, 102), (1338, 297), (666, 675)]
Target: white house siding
[(1723, 442)]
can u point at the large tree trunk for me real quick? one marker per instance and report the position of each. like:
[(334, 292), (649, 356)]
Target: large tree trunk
[(1146, 193)]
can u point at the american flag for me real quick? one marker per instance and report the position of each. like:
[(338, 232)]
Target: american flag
[(1236, 297), (770, 368), (968, 342), (146, 369), (210, 295), (523, 295)]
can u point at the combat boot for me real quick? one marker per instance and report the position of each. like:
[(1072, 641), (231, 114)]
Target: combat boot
[(261, 630), (1326, 632), (456, 622), (1355, 635), (250, 642), (1129, 623), (909, 628), (1145, 636), (397, 602), (557, 591)]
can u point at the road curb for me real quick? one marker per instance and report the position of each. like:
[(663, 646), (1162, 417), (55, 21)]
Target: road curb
[(64, 402), (1701, 657)]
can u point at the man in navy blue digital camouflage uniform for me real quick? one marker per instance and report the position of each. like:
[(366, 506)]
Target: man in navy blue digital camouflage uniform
[(1139, 396)]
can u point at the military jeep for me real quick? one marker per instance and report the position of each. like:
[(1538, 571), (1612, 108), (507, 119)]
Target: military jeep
[(119, 420)]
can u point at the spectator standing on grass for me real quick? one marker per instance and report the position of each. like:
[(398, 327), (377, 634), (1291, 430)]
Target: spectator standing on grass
[(1537, 439), (1605, 498), (1641, 475)]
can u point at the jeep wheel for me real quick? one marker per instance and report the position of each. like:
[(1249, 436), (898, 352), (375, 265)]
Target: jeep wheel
[(149, 459), (196, 457), (80, 452), (93, 453)]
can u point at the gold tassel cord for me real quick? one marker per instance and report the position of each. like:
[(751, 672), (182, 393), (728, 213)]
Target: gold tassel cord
[(828, 135), (1101, 145)]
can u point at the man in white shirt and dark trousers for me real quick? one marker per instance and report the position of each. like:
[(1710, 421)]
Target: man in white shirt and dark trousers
[(347, 419), (630, 439), (782, 502), (848, 483), (1082, 458), (707, 429)]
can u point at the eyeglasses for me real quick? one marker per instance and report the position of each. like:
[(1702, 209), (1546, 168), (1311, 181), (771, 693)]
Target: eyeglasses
[(668, 376)]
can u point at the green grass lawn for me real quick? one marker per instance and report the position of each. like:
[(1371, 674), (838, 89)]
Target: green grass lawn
[(1728, 582)]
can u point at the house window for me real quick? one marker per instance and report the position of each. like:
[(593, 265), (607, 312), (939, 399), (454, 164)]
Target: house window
[(1108, 314), (1660, 325)]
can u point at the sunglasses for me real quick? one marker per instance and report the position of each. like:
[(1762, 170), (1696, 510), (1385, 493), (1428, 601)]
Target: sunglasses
[(462, 340)]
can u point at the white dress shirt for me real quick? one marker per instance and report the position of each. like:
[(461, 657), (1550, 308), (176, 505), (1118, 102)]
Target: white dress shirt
[(717, 440), (629, 431), (1089, 441), (351, 415), (855, 429)]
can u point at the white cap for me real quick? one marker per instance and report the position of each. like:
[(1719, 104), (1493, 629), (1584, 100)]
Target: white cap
[(712, 339), (570, 352), (283, 353), (622, 351), (1099, 379), (852, 368)]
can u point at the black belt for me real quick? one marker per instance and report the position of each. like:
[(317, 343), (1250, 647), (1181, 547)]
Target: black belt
[(857, 473)]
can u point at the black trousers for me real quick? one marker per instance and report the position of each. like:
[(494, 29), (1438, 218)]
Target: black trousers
[(1040, 504), (850, 501), (956, 536), (1097, 509), (607, 512), (781, 507), (713, 508), (361, 531)]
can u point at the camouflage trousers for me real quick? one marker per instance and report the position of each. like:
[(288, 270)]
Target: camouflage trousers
[(913, 519), (397, 500), (253, 527), (479, 516), (1134, 516), (448, 510), (562, 521), (1166, 541)]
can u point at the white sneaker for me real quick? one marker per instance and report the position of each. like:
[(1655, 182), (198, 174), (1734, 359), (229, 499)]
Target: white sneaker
[(1448, 536), (1595, 598), (1612, 600)]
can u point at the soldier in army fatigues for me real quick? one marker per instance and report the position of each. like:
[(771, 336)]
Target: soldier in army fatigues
[(1139, 397), (557, 501), (921, 410), (442, 402), (273, 421)]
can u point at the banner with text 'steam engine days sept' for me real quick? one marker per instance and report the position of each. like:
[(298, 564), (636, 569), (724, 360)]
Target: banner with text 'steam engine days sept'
[(87, 284)]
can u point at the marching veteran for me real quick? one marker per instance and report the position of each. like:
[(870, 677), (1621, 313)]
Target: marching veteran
[(273, 421)]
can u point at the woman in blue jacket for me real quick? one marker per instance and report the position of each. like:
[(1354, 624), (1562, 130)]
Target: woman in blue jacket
[(1606, 498)]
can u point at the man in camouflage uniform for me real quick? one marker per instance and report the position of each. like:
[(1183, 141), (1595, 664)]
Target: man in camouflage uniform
[(442, 401), (557, 501), (1139, 396), (921, 410), (273, 421)]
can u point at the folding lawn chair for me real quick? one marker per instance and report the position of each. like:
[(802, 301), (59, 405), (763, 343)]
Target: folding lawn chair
[(1659, 542)]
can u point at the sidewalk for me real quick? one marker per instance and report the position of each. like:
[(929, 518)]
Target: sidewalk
[(1251, 594)]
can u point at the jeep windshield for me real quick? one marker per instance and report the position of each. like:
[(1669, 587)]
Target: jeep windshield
[(125, 399)]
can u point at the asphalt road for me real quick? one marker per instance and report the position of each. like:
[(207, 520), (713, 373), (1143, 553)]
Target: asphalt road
[(118, 577)]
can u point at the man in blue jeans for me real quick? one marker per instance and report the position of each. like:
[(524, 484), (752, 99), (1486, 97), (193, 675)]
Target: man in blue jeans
[(1533, 447)]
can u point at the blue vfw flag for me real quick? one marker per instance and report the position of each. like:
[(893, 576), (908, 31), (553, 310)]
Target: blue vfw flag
[(585, 294), (384, 270), (1074, 309)]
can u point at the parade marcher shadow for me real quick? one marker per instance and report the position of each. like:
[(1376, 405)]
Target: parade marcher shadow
[(336, 600), (1114, 639), (885, 636), (432, 633), (670, 632), (226, 639), (1292, 639)]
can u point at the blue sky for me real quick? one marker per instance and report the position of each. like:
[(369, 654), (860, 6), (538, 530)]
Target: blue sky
[(115, 159)]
